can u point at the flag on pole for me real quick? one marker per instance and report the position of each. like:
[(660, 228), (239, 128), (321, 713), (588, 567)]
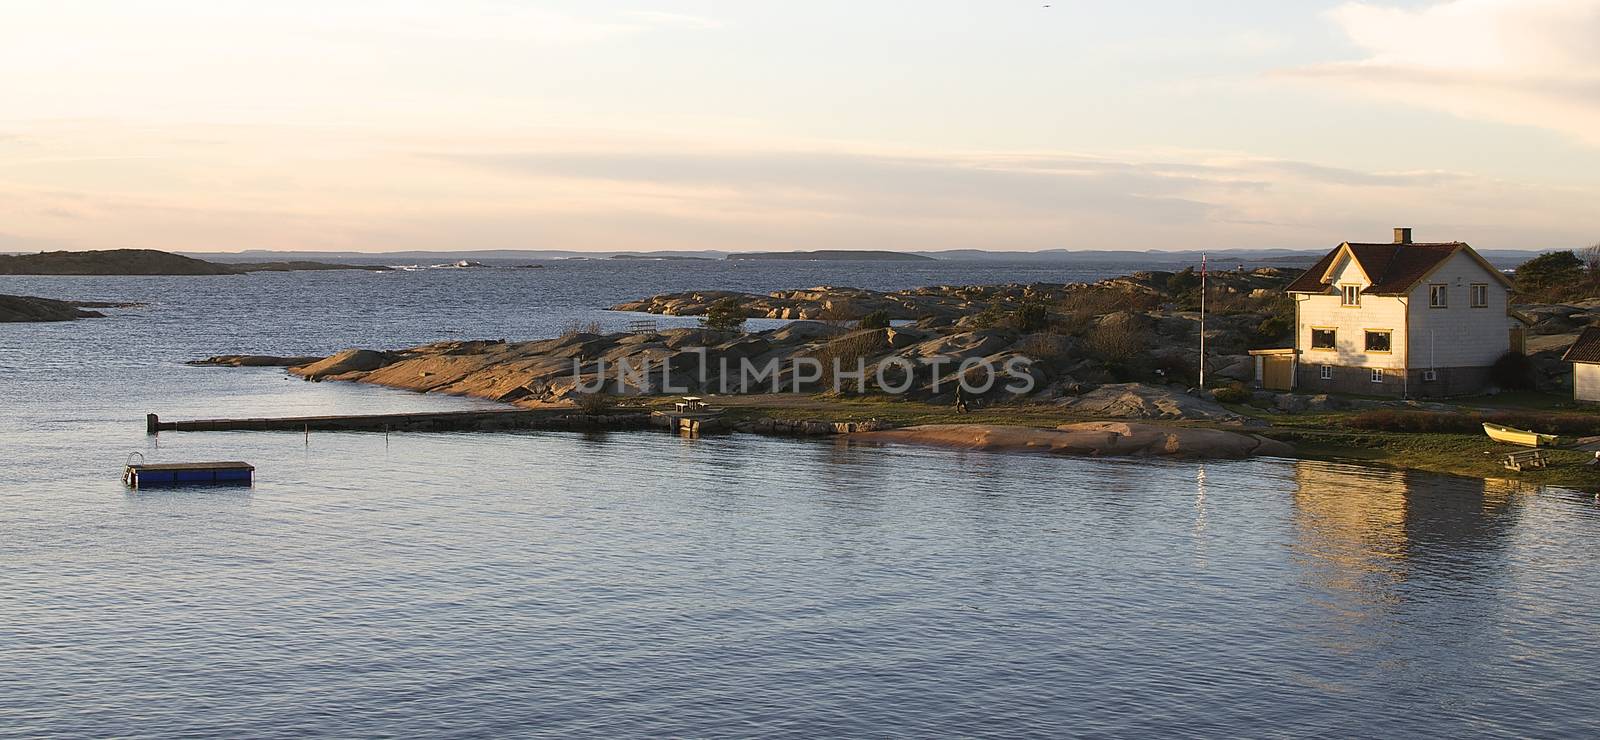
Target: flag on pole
[(1202, 321)]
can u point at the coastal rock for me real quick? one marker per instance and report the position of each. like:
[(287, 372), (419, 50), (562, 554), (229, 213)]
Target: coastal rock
[(253, 361), (1233, 367), (960, 346), (1139, 401), (1089, 438), (805, 331), (900, 337), (348, 361), (1290, 403), (1555, 325), (18, 309)]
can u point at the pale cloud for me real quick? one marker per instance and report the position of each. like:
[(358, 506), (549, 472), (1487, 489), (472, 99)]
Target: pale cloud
[(1522, 62), (673, 20), (231, 187)]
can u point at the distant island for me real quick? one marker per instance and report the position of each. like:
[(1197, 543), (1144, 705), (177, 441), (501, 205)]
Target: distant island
[(22, 308), (146, 262), (835, 254), (1126, 259)]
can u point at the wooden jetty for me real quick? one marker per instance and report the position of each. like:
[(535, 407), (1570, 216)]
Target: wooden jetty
[(435, 421), (197, 473)]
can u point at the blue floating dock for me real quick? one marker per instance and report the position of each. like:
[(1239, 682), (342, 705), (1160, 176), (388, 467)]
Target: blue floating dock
[(185, 474)]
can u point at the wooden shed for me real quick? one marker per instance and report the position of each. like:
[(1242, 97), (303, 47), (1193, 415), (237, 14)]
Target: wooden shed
[(1585, 358)]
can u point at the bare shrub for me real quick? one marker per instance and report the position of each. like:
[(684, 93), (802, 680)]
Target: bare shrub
[(578, 326), (848, 350), (594, 403), (838, 313), (878, 319), (1118, 343), (1232, 393), (1096, 301), (1046, 348)]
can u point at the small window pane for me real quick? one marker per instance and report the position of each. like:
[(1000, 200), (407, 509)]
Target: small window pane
[(1323, 339), (1327, 372), (1438, 296), (1480, 296), (1351, 295), (1377, 375), (1378, 341)]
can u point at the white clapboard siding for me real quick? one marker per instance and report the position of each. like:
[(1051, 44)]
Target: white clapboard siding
[(1459, 335), (1586, 382), (1375, 312)]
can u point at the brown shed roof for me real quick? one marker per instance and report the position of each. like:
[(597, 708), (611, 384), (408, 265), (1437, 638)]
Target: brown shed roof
[(1393, 268), (1587, 348)]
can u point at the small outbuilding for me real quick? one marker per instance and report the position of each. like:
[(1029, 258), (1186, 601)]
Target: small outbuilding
[(1585, 358)]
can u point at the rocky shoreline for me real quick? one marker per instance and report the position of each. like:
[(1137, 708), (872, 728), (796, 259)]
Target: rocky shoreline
[(1122, 352)]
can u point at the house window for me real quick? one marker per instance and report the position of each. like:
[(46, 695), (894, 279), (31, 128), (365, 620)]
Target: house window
[(1379, 341), (1349, 295), (1480, 295), (1327, 372), (1323, 338), (1438, 296), (1377, 375)]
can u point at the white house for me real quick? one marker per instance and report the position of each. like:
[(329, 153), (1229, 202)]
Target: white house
[(1398, 319), (1585, 358)]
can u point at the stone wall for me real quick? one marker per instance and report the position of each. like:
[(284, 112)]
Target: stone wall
[(1451, 381)]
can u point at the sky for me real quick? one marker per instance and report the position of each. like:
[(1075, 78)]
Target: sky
[(225, 125)]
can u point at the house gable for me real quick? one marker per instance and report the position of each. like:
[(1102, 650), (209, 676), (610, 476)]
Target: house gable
[(1386, 269)]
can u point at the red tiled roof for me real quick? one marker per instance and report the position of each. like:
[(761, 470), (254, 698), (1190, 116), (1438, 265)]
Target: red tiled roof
[(1394, 268), (1587, 348)]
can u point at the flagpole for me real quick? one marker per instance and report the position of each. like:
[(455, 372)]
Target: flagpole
[(1202, 322)]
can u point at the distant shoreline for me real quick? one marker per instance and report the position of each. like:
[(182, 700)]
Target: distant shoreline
[(116, 262)]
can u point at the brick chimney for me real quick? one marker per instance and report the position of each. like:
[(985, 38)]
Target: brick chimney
[(1402, 235)]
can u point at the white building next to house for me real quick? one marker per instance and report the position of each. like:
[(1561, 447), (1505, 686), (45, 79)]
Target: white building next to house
[(1585, 358), (1398, 319)]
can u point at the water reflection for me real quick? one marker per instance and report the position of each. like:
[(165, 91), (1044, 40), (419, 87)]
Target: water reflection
[(1365, 535)]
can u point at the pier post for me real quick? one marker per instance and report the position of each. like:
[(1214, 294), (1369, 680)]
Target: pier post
[(152, 423)]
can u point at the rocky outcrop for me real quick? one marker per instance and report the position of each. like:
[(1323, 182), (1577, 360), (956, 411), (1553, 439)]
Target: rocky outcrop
[(345, 363), (1089, 438), (18, 308), (253, 361), (1139, 401), (947, 303)]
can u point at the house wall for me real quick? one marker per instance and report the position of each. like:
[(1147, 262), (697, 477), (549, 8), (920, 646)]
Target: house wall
[(1375, 312), (1459, 335), (1355, 380), (1586, 382)]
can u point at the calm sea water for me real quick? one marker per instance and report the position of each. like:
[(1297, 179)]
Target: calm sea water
[(640, 584)]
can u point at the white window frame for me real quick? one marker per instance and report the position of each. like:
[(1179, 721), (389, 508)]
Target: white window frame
[(1377, 375), (1479, 293), (1327, 372), (1439, 295), (1350, 296)]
